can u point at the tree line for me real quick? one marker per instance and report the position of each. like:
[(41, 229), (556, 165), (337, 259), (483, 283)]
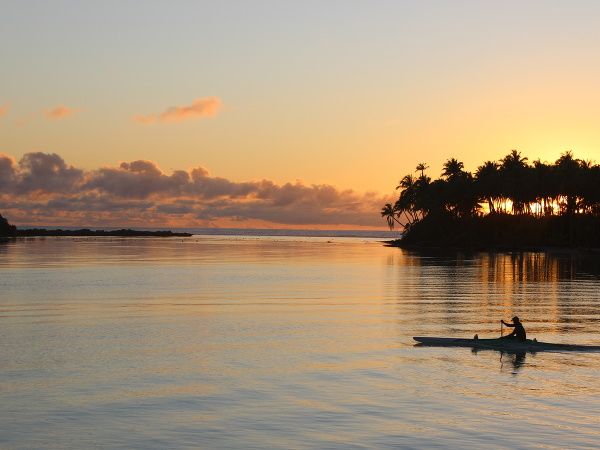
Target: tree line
[(569, 186), (509, 203)]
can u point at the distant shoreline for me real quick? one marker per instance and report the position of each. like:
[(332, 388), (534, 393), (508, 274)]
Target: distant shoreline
[(86, 232), (30, 230)]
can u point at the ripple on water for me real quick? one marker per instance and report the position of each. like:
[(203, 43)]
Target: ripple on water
[(284, 343)]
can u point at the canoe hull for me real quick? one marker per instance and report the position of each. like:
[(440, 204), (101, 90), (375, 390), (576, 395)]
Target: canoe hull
[(502, 344)]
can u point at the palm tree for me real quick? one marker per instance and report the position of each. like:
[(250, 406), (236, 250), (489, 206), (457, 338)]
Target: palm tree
[(544, 187), (408, 202), (487, 183), (408, 199), (406, 183), (461, 196), (514, 159), (421, 195), (389, 213), (536, 189), (514, 174), (591, 189), (452, 168), (467, 203), (569, 176), (422, 167)]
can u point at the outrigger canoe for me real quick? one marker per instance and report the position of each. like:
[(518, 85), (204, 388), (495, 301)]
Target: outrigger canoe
[(530, 345)]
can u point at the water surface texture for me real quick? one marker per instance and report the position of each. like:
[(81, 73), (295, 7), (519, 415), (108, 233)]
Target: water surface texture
[(289, 342)]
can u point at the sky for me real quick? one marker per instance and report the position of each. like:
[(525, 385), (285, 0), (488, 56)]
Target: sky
[(278, 114)]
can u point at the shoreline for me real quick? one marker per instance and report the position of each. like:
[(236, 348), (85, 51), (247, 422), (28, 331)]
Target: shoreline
[(86, 232), (504, 233), (493, 249)]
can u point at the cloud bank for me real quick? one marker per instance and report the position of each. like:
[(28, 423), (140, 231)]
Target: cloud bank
[(201, 107), (41, 189)]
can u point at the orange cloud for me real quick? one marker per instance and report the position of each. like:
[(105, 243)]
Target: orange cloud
[(201, 107), (4, 109), (59, 112), (42, 187)]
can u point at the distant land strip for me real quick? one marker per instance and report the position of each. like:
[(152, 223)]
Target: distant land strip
[(8, 230), (97, 233)]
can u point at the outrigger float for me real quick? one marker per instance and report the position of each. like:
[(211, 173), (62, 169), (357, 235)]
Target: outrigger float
[(529, 345)]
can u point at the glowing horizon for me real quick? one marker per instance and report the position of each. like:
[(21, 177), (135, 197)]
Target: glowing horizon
[(139, 193)]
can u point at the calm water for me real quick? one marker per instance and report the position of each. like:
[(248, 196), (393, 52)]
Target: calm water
[(289, 342)]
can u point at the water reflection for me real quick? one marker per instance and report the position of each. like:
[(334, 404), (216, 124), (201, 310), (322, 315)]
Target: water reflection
[(459, 294), (227, 343), (513, 266), (509, 360), (516, 360)]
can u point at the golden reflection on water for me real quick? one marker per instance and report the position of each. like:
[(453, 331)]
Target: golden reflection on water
[(509, 267), (285, 343), (461, 294)]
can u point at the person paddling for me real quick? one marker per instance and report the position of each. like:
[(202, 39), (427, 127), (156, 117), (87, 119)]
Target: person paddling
[(518, 333)]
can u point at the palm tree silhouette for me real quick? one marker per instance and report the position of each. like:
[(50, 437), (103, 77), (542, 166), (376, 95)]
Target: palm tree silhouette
[(390, 215), (545, 187), (422, 167), (514, 174), (563, 198), (452, 169), (487, 182), (570, 182)]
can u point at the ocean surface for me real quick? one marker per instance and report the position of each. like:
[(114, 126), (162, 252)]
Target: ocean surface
[(382, 234), (277, 341)]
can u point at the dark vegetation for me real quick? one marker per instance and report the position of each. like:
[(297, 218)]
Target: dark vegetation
[(8, 230), (509, 204)]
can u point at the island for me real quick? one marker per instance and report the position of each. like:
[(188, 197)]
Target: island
[(505, 205), (7, 231)]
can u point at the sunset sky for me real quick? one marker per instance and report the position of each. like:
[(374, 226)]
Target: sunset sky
[(298, 114)]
